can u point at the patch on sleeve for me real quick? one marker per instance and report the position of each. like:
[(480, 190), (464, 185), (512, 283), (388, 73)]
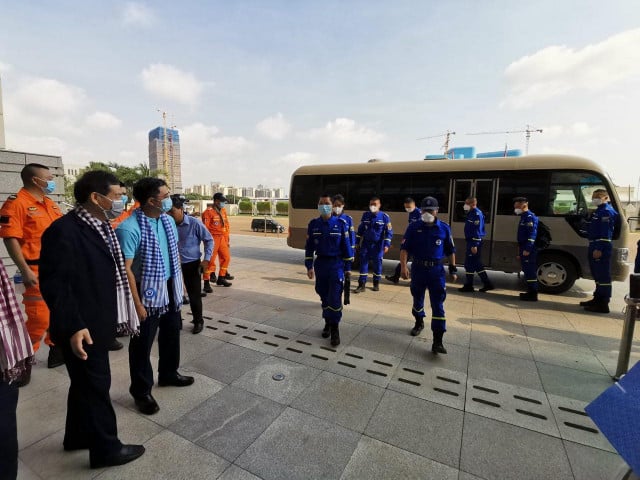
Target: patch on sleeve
[(530, 224), (477, 222), (4, 219), (389, 226)]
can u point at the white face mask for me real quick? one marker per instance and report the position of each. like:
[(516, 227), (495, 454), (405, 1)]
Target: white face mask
[(408, 209), (337, 210), (596, 201), (517, 211), (427, 217), (466, 207), (374, 208)]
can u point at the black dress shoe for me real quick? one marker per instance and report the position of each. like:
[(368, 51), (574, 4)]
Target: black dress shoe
[(467, 288), (586, 303), (223, 282), (127, 453), (147, 404), (487, 287), (203, 294), (392, 278), (229, 277), (177, 381), (55, 358), (197, 327), (115, 346), (71, 447)]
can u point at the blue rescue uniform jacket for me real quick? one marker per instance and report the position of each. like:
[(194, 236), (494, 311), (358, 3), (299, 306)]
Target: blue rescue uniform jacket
[(375, 228), (428, 243), (415, 215), (527, 231), (474, 227), (328, 239), (601, 226), (352, 229)]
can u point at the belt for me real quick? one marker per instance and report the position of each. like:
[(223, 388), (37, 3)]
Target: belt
[(428, 263), (328, 257), (33, 262)]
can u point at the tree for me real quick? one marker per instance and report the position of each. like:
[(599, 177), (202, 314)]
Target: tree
[(196, 196), (126, 174), (282, 208), (244, 206), (264, 208)]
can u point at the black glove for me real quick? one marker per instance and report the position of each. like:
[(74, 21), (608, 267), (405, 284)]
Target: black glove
[(452, 269)]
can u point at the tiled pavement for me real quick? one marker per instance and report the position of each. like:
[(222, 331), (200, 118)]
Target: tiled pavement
[(506, 402)]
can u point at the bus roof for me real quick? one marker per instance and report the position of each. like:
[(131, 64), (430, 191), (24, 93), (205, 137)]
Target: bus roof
[(527, 162)]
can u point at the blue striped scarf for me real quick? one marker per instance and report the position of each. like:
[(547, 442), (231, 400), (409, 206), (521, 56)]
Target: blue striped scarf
[(153, 286)]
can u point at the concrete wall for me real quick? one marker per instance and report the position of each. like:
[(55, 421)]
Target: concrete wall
[(11, 163)]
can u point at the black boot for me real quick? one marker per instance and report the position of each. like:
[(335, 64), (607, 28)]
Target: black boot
[(487, 286), (437, 346), (207, 287), (326, 331), (376, 286), (55, 358), (197, 327), (467, 288), (587, 303), (229, 277), (600, 306), (335, 335), (360, 288), (393, 278), (530, 296), (115, 346), (223, 281), (418, 327)]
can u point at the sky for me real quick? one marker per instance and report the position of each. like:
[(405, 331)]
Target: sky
[(259, 88)]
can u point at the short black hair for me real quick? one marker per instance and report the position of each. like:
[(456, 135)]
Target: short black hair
[(374, 198), (29, 171), (409, 200), (147, 187), (324, 195), (520, 200), (99, 181), (122, 184), (338, 198)]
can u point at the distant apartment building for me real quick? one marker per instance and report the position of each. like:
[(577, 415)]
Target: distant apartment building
[(278, 192), (164, 156), (248, 192), (204, 190), (73, 171)]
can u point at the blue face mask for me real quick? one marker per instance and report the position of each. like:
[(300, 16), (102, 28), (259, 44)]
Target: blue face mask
[(50, 188), (125, 199), (222, 204), (167, 204), (325, 210)]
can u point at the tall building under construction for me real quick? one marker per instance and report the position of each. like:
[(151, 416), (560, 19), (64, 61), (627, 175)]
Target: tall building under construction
[(164, 156)]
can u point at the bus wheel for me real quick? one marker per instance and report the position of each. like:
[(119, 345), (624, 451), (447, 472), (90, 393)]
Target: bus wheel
[(556, 273)]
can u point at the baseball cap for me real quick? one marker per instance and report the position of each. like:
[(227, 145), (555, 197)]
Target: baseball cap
[(429, 203), (178, 200), (219, 196)]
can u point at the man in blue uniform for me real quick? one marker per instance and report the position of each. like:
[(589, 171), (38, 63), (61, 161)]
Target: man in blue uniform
[(374, 239), (328, 237), (473, 234), (338, 211), (414, 216), (428, 242), (527, 253), (601, 228)]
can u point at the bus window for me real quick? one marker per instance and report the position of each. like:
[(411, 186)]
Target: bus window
[(393, 190), (334, 184), (531, 184), (573, 192), (563, 200), (361, 189), (305, 191), (430, 185)]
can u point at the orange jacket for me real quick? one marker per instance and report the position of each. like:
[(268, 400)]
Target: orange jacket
[(126, 214), (216, 221), (26, 218)]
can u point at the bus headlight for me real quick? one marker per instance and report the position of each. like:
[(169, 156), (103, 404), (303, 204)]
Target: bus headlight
[(623, 255)]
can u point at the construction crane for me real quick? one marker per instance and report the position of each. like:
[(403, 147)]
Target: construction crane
[(447, 138), (529, 130)]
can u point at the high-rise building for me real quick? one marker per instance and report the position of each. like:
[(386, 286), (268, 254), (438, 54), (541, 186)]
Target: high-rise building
[(248, 192), (164, 156)]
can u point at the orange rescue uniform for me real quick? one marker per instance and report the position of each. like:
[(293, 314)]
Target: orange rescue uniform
[(217, 223), (25, 218), (124, 215)]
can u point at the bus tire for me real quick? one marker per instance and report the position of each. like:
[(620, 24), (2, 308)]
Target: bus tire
[(556, 273)]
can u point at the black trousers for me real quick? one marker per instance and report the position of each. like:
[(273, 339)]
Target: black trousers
[(8, 432), (191, 275), (140, 369), (91, 420)]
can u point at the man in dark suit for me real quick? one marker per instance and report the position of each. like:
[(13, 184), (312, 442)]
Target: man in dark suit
[(83, 281)]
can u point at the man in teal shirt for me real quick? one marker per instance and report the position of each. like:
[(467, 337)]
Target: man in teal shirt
[(149, 241)]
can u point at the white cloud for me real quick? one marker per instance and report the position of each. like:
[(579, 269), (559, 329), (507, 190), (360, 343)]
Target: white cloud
[(296, 159), (345, 132), (138, 15), (202, 143), (103, 121), (275, 127), (171, 83), (576, 129), (49, 96), (5, 67), (50, 145), (558, 69)]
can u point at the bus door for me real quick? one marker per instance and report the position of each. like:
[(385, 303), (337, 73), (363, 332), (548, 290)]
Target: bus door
[(485, 191)]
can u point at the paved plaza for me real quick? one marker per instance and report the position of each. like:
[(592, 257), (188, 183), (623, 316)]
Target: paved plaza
[(505, 403)]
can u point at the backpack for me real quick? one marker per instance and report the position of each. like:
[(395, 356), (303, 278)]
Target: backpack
[(543, 238)]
